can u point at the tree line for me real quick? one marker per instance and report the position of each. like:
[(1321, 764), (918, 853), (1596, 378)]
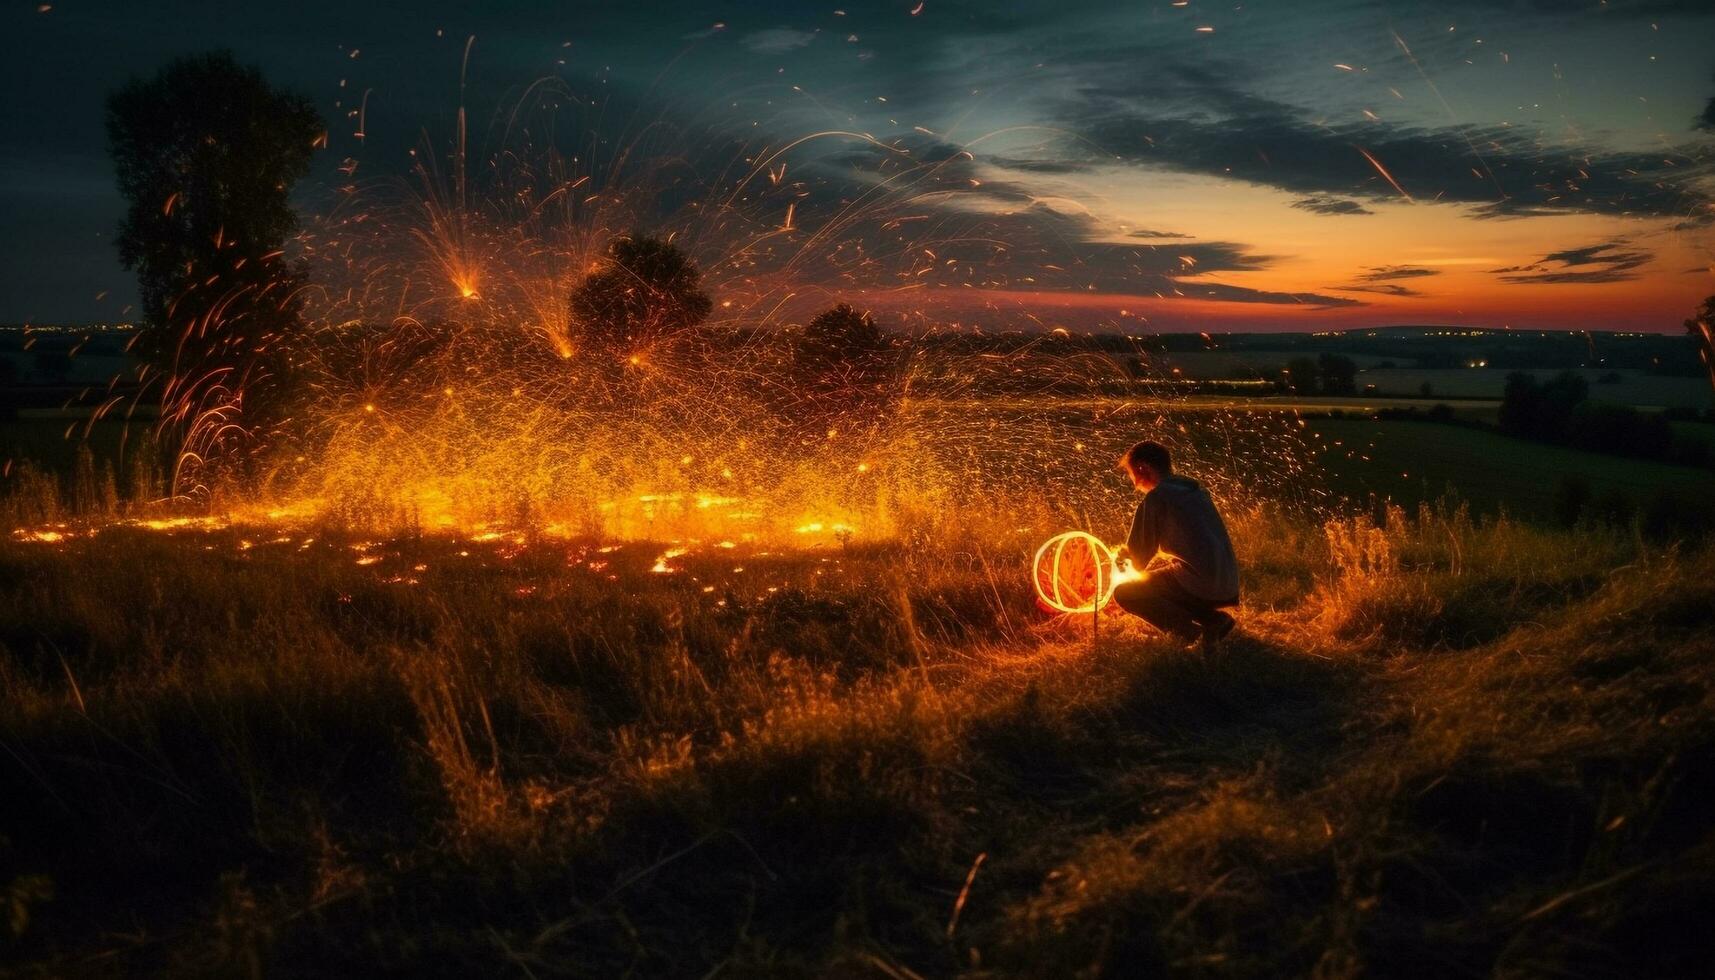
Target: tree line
[(1560, 411)]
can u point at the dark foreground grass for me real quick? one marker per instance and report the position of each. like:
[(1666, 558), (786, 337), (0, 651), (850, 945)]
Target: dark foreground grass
[(1436, 749)]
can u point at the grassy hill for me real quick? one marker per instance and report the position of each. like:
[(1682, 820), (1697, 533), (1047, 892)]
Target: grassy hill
[(1437, 747)]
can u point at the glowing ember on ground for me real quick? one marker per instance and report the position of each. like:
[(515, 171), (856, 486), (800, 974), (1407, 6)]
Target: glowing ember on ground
[(42, 535), (661, 566)]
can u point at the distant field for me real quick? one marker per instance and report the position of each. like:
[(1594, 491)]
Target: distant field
[(1634, 387), (53, 442), (1481, 409), (1222, 363), (1413, 461)]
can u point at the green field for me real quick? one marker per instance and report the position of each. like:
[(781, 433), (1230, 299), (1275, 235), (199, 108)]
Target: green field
[(1634, 387), (1414, 461)]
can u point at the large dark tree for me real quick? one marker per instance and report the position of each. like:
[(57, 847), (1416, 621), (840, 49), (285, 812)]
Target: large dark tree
[(647, 289), (206, 153)]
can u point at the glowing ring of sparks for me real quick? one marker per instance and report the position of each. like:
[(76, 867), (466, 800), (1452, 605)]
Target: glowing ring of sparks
[(1076, 573)]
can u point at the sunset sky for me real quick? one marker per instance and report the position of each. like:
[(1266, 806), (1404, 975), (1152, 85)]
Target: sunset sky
[(1200, 166)]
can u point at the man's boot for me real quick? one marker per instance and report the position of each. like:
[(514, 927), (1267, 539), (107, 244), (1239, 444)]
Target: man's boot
[(1216, 629)]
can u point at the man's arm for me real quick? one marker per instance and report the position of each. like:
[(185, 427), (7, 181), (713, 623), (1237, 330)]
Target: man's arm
[(1141, 543)]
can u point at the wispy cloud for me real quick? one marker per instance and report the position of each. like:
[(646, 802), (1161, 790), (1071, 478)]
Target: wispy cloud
[(1384, 289), (1613, 261), (1388, 273), (1036, 165), (1326, 204)]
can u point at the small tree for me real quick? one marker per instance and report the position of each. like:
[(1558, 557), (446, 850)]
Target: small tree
[(647, 289), (841, 339), (1301, 375), (842, 365), (1519, 404), (1339, 374), (1561, 396)]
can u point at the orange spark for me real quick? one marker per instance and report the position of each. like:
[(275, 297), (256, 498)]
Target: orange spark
[(1383, 171)]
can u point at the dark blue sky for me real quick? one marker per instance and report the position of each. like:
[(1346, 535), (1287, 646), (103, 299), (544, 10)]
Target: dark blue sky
[(1515, 157)]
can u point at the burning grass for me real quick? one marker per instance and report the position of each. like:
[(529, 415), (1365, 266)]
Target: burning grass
[(1439, 744)]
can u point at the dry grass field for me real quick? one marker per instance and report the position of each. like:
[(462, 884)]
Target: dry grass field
[(1437, 746)]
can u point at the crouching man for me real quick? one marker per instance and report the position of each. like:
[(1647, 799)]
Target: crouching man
[(1180, 541)]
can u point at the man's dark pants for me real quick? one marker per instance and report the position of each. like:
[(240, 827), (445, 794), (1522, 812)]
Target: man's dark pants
[(1164, 604)]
